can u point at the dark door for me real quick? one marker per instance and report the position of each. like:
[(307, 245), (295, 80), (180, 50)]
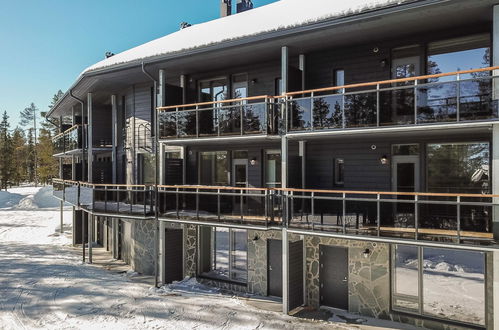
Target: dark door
[(274, 255), (333, 276), (173, 255), (295, 274)]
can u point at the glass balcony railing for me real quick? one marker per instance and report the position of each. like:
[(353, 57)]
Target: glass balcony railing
[(443, 98), (237, 117), (447, 218), (69, 140)]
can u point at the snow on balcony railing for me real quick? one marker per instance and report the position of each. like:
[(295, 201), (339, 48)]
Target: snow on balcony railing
[(438, 98)]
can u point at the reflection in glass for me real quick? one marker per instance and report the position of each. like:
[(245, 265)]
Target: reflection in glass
[(239, 255), (299, 114), (213, 168), (437, 103), (405, 277), (454, 285), (273, 169), (186, 123), (396, 107), (255, 118), (328, 111), (360, 109)]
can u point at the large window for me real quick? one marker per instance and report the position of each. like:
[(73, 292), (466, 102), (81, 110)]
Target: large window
[(440, 283), (273, 168), (223, 253), (213, 168), (458, 167)]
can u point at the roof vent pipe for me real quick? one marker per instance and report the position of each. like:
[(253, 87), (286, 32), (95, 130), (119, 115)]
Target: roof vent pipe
[(109, 54)]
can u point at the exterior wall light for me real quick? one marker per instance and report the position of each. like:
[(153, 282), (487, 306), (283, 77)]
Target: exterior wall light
[(383, 160), (253, 161), (366, 253)]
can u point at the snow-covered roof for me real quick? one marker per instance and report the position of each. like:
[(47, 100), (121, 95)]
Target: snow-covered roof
[(280, 15)]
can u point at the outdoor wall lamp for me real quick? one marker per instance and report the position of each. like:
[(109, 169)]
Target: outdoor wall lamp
[(254, 81), (256, 238), (366, 253), (383, 160), (253, 161)]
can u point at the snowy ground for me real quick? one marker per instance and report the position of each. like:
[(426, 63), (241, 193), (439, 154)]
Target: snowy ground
[(43, 284)]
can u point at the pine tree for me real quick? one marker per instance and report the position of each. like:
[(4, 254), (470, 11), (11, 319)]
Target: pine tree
[(52, 125), (30, 156), (20, 170), (28, 118), (6, 163), (47, 164)]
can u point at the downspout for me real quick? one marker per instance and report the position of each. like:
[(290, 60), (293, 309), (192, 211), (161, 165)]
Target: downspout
[(83, 135), (83, 215), (156, 173)]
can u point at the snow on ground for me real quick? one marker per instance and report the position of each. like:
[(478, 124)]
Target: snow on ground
[(43, 284)]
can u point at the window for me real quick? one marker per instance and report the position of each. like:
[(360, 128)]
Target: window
[(146, 164), (440, 283), (339, 77), (227, 253), (213, 168), (458, 167), (273, 168), (339, 171), (465, 53), (405, 149)]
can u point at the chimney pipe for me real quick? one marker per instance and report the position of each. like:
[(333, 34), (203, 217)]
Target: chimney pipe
[(225, 8)]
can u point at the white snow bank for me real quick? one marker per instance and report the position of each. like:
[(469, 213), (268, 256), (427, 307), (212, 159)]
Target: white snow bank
[(276, 16), (9, 199), (187, 285), (44, 198)]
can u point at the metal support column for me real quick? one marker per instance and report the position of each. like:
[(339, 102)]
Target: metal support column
[(84, 215), (114, 118), (495, 180), (90, 236), (89, 137), (302, 69), (284, 182), (62, 217)]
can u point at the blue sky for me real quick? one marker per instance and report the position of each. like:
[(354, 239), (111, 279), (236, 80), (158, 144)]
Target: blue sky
[(45, 44)]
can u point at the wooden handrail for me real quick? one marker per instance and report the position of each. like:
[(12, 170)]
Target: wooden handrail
[(66, 131), (360, 192), (213, 187), (323, 191), (215, 102), (390, 81)]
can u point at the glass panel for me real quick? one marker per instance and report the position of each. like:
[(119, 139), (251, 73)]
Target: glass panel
[(148, 168), (405, 149), (360, 109), (229, 119), (299, 113), (207, 122), (239, 255), (405, 177), (458, 61), (328, 111), (221, 252), (255, 118), (405, 277), (454, 285), (186, 123), (273, 170), (240, 179), (458, 168), (213, 168), (437, 103), (167, 124), (475, 101), (396, 107)]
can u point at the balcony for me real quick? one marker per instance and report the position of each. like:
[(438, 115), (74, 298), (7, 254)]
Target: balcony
[(438, 217), (446, 98), (228, 118), (69, 141)]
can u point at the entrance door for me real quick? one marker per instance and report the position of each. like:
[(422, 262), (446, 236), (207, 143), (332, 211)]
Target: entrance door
[(173, 255), (274, 256), (240, 179), (405, 173), (333, 276)]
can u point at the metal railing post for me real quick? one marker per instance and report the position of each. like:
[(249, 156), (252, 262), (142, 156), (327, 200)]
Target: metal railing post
[(343, 220), (218, 204), (377, 105), (197, 203), (378, 214), (415, 102), (458, 96), (416, 217), (458, 219)]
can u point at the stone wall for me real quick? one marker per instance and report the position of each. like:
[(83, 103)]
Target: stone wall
[(190, 250), (143, 246), (368, 278)]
